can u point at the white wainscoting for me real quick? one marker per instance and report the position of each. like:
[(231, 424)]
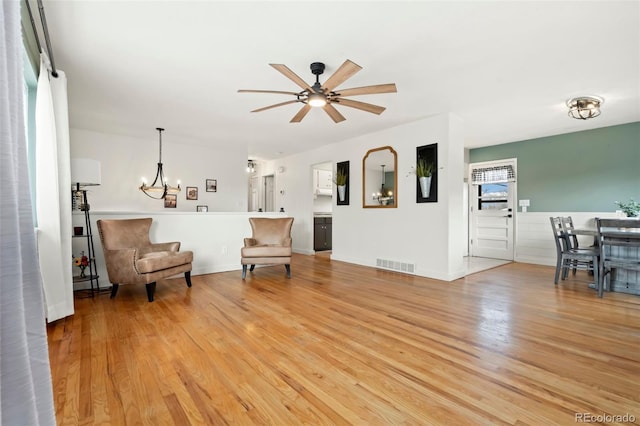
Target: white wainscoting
[(534, 238)]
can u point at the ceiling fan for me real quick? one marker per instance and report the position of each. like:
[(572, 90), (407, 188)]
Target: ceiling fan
[(326, 95)]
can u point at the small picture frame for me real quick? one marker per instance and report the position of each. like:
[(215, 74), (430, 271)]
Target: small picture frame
[(192, 192), (212, 185), (170, 201), (202, 209)]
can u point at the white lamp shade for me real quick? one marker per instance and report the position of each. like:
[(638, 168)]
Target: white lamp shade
[(85, 172)]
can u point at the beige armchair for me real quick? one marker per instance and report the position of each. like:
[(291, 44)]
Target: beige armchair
[(270, 244), (131, 258)]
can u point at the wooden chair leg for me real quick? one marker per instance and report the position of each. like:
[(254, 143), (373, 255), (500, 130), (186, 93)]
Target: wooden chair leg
[(252, 268), (596, 276), (288, 268), (244, 271), (565, 268), (151, 288), (114, 290), (558, 268), (187, 277)]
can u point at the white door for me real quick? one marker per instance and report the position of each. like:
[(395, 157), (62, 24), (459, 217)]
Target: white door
[(491, 215), (253, 194), (269, 194)]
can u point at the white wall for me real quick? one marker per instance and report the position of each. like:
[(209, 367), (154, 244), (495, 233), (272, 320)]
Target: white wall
[(323, 204), (125, 160), (429, 235)]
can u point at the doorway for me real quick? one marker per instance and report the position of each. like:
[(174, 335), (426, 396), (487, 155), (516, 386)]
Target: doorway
[(492, 192), (322, 193), (254, 191), (269, 193)]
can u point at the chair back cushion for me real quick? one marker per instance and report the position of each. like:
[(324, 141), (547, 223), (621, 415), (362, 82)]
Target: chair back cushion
[(272, 231), (124, 233)]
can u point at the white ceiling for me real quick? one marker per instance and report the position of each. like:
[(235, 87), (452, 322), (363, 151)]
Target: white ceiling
[(506, 67)]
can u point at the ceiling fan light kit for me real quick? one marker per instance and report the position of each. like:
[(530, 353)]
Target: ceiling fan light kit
[(317, 100), (324, 95)]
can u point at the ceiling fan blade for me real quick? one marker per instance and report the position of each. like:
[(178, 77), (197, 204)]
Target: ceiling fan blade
[(300, 115), (360, 105), (292, 76), (346, 70), (276, 105), (267, 91), (368, 90), (333, 113)]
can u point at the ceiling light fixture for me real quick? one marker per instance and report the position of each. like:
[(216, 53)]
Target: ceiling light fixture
[(251, 166), (159, 185), (317, 99), (584, 107)]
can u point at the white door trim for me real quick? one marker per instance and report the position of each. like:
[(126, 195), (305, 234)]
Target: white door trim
[(512, 202)]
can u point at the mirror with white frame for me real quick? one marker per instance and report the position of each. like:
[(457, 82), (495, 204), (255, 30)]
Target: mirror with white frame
[(380, 178)]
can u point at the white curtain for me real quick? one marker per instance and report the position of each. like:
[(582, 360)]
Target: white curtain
[(26, 396), (53, 192)]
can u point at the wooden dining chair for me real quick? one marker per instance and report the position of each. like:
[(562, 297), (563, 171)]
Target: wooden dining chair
[(573, 258), (567, 226), (572, 235)]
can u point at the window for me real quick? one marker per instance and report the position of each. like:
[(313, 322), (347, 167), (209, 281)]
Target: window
[(30, 87), (493, 196)]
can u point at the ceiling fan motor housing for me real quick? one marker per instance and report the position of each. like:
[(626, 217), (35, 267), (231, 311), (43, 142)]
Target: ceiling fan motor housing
[(317, 68)]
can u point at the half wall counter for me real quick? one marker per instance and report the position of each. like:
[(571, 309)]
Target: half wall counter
[(214, 238)]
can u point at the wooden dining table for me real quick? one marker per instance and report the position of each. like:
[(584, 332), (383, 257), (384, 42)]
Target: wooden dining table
[(624, 280), (620, 246)]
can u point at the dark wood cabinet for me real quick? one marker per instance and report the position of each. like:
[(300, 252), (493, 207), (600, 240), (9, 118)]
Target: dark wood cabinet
[(322, 233)]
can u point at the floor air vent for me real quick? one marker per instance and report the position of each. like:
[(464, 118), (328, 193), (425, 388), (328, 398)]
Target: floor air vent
[(392, 265)]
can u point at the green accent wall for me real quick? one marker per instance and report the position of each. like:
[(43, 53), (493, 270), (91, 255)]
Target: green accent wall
[(575, 172)]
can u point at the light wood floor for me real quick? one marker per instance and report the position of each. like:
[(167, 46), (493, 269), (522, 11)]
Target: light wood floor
[(343, 344)]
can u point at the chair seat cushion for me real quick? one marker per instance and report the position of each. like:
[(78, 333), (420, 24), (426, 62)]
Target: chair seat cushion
[(267, 250), (159, 260)]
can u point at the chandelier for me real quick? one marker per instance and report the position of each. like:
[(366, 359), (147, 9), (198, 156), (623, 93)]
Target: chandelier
[(385, 195), (585, 107), (159, 188)]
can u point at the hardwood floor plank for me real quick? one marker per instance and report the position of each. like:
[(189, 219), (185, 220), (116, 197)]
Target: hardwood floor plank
[(344, 344)]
